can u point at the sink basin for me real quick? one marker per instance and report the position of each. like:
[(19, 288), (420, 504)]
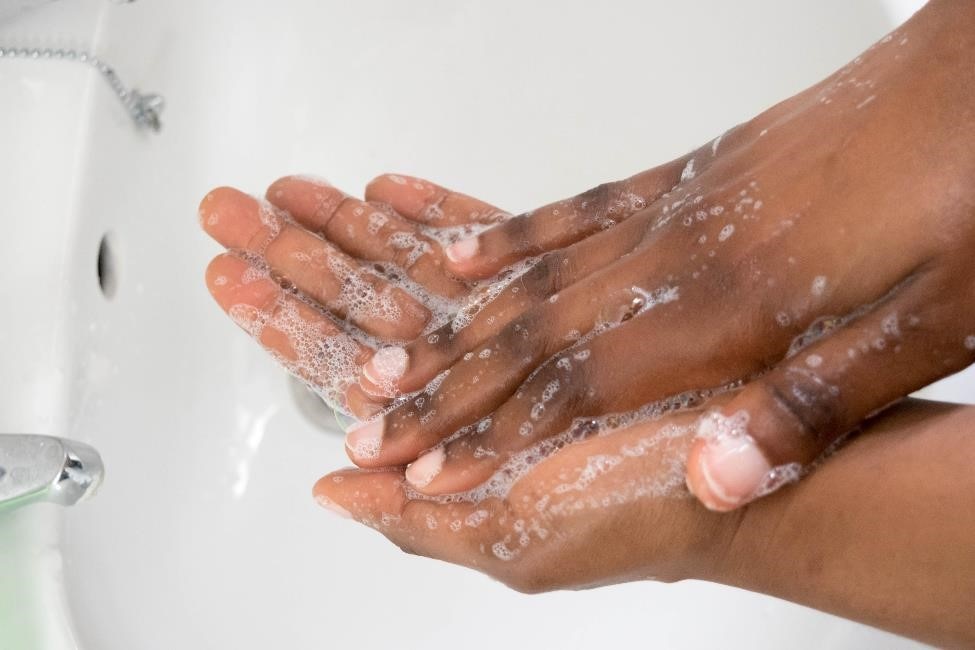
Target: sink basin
[(204, 534)]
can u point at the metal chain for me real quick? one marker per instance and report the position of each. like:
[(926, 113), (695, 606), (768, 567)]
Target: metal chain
[(144, 108)]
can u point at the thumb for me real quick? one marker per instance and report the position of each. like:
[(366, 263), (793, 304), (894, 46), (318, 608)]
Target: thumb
[(778, 424)]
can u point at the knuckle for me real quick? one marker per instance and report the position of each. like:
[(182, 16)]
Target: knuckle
[(578, 395), (516, 338), (516, 234), (270, 302), (218, 194), (548, 276), (380, 187), (402, 256), (805, 403), (597, 203), (377, 180), (532, 338), (551, 389), (730, 273), (442, 343)]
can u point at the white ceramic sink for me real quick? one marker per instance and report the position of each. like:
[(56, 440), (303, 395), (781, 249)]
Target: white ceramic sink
[(204, 534)]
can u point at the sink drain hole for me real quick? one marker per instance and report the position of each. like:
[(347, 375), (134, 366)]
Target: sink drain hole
[(107, 267)]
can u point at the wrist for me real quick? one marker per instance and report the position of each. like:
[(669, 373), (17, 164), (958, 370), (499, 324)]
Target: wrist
[(706, 549), (873, 534)]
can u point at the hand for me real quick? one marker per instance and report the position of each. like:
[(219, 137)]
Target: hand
[(887, 511), (820, 253), (586, 509), (316, 275), (324, 280)]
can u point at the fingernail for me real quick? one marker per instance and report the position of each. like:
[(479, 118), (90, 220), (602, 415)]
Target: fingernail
[(462, 250), (733, 469), (364, 440), (328, 504), (386, 367), (425, 468)]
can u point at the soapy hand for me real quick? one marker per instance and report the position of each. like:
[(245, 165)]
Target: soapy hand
[(599, 504), (329, 284), (820, 254), (321, 278), (608, 505), (737, 310)]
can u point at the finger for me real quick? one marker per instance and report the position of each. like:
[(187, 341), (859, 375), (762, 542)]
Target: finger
[(706, 341), (788, 417), (487, 376), (541, 508), (409, 368), (365, 232), (316, 268), (302, 338), (425, 202), (382, 500), (362, 405), (560, 224), (578, 386)]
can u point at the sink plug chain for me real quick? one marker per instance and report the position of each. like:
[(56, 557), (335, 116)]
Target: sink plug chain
[(144, 108)]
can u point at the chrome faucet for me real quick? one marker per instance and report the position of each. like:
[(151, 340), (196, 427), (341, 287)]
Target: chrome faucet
[(44, 468)]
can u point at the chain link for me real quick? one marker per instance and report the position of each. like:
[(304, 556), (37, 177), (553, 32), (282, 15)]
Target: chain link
[(144, 108)]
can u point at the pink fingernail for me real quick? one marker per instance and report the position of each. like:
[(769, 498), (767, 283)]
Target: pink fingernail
[(386, 367), (364, 440), (328, 504), (462, 250), (734, 470), (425, 468)]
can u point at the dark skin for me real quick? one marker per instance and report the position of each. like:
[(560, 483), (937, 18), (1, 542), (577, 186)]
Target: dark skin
[(883, 532), (850, 202), (848, 207)]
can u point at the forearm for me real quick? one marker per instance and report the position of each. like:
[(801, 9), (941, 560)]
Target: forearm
[(883, 533)]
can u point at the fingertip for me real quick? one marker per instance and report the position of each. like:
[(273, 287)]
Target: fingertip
[(379, 187), (214, 270), (696, 483), (312, 201), (440, 472), (222, 273), (332, 506), (327, 494), (229, 284), (298, 185), (725, 467), (278, 189), (363, 495), (230, 216), (381, 374), (364, 440), (290, 180), (386, 188), (207, 211), (408, 195), (425, 468), (463, 252), (464, 259), (369, 387), (363, 405)]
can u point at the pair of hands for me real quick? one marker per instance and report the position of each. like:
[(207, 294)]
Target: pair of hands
[(810, 267)]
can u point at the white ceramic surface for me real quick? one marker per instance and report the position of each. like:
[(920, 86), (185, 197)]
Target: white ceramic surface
[(204, 534)]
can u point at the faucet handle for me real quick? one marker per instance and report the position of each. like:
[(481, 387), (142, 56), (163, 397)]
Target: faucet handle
[(45, 468)]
